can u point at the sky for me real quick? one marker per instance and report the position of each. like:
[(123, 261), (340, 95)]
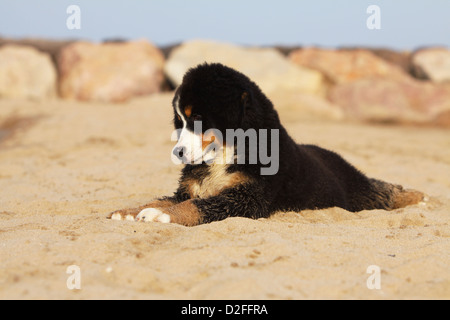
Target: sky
[(404, 24)]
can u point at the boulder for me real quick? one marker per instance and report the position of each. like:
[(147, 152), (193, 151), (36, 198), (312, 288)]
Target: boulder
[(110, 72), (26, 73), (432, 64), (266, 66), (52, 47), (344, 66), (305, 107), (389, 100), (399, 58)]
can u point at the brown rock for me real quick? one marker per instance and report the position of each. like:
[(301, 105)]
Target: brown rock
[(266, 66), (344, 66), (389, 100), (399, 58), (26, 73), (110, 72), (443, 119), (432, 64)]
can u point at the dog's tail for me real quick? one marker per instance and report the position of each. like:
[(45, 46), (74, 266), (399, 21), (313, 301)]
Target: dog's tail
[(392, 196), (407, 197)]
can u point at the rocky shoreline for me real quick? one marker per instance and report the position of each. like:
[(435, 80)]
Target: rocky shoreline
[(363, 84)]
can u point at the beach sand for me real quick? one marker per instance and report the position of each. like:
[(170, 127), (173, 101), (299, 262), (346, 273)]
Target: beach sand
[(65, 165)]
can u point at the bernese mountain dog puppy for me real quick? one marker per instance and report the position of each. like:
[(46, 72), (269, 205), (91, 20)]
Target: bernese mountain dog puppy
[(238, 177)]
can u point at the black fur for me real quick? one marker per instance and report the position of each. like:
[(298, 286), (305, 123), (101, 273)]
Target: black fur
[(309, 177)]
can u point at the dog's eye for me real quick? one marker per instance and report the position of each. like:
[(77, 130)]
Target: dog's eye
[(196, 117)]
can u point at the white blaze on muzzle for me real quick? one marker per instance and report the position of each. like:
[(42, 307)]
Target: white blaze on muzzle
[(188, 149), (189, 146), (195, 147)]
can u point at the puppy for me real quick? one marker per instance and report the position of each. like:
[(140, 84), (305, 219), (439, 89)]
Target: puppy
[(232, 177)]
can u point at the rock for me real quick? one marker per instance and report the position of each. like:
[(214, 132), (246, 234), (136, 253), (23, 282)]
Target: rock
[(397, 101), (432, 64), (167, 49), (305, 107), (26, 73), (266, 66), (286, 50), (110, 72), (399, 58), (443, 119), (52, 47), (343, 66)]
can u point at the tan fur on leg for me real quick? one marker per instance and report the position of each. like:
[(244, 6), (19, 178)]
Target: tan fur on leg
[(185, 213), (130, 214)]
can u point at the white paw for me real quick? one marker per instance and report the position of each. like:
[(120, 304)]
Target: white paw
[(153, 215), (118, 216)]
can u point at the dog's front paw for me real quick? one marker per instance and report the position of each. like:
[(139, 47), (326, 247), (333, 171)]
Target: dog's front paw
[(122, 215), (153, 215)]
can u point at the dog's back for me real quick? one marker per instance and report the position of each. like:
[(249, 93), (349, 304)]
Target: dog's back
[(324, 179)]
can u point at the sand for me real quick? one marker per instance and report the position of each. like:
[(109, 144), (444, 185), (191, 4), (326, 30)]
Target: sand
[(64, 166)]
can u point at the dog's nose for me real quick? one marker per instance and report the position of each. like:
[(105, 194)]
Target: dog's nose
[(178, 152)]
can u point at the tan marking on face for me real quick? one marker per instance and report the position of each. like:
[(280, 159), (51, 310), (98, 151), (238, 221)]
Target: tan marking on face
[(207, 139), (215, 182), (185, 213), (188, 111)]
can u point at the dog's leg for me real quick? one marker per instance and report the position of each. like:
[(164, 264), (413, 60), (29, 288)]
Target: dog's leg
[(130, 214), (243, 201), (185, 213)]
